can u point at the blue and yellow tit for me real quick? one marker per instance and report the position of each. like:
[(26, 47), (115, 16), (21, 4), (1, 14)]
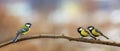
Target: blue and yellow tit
[(84, 33), (24, 30), (95, 32)]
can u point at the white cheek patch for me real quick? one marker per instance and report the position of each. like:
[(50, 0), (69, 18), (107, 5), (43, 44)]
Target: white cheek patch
[(80, 29), (90, 28), (28, 25)]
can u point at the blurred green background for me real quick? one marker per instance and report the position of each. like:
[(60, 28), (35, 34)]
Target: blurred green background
[(59, 17)]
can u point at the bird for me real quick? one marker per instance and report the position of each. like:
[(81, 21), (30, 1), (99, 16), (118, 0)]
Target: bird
[(95, 32), (23, 31), (84, 33)]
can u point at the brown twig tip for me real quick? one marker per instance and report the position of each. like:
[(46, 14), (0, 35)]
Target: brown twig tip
[(63, 37)]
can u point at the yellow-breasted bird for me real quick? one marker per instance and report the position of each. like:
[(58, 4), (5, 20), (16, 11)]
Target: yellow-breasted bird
[(84, 33), (95, 32), (24, 30)]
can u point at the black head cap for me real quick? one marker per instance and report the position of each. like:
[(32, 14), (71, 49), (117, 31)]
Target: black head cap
[(28, 24), (79, 29)]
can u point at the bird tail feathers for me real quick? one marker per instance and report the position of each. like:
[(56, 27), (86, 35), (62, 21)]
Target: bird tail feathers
[(105, 37), (16, 38)]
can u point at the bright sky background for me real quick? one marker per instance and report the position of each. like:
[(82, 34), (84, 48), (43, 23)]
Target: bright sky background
[(22, 10)]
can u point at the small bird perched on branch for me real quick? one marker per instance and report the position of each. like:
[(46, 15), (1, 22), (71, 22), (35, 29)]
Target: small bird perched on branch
[(84, 33), (95, 32), (24, 30)]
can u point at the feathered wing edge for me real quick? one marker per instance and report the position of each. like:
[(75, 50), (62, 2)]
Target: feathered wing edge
[(90, 34)]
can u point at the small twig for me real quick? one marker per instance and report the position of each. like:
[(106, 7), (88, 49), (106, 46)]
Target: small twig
[(64, 37)]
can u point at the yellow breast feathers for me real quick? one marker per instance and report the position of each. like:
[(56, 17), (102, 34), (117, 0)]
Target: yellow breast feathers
[(84, 33), (26, 32), (94, 32)]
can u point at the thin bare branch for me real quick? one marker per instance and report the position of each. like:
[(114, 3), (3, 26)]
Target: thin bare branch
[(63, 37)]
